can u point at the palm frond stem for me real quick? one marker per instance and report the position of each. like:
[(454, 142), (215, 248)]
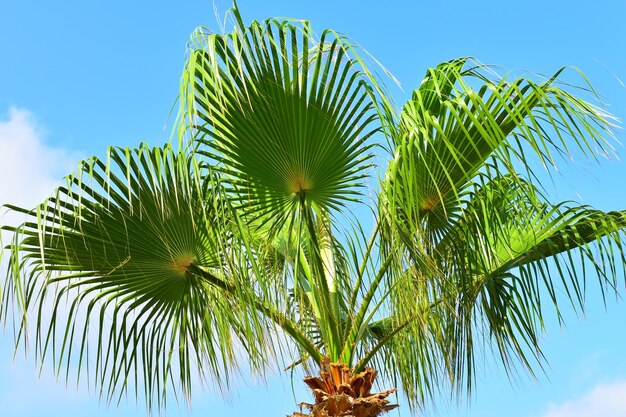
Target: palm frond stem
[(357, 323), (270, 312), (330, 315), (382, 342), (361, 272)]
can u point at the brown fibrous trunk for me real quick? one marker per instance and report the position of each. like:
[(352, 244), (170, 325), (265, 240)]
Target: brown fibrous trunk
[(339, 392)]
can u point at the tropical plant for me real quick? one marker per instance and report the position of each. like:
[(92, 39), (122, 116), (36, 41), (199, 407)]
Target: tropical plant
[(255, 239)]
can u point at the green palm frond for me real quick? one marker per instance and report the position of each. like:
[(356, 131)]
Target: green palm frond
[(136, 250), (494, 277), (508, 251), (287, 116), (460, 119)]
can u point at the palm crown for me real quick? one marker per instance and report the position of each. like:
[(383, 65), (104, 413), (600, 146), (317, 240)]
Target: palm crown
[(243, 241)]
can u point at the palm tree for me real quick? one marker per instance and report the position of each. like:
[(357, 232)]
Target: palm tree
[(255, 237)]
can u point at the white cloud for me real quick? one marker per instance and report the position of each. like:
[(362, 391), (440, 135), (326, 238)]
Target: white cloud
[(603, 400), (29, 169)]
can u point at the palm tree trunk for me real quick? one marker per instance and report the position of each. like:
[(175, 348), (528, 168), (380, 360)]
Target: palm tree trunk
[(339, 392)]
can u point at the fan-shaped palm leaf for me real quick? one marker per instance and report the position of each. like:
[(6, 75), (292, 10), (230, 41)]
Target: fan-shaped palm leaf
[(459, 118), (287, 116), (494, 272)]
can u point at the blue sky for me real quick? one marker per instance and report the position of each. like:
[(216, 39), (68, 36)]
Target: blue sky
[(76, 77)]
